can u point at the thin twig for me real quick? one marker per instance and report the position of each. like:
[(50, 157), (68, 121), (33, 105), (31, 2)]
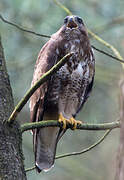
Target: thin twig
[(80, 152), (29, 93), (115, 51), (87, 149), (30, 169), (83, 126), (22, 29), (43, 35), (107, 54)]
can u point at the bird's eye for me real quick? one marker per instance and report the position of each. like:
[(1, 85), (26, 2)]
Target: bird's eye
[(66, 20), (79, 20)]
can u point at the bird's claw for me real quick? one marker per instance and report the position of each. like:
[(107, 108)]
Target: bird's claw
[(74, 123), (63, 120), (70, 121)]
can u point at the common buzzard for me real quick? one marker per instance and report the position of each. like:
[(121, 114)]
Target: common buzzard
[(64, 94)]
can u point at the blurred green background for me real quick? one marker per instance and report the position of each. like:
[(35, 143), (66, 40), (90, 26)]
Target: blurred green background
[(21, 50)]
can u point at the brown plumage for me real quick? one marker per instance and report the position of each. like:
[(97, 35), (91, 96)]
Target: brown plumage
[(64, 94)]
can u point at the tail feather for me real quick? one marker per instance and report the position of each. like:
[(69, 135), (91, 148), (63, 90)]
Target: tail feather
[(46, 139), (45, 147)]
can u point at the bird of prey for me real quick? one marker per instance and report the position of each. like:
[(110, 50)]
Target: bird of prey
[(64, 94)]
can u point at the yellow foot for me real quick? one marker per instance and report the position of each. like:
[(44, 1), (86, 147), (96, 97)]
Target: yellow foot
[(74, 123), (71, 121), (63, 120)]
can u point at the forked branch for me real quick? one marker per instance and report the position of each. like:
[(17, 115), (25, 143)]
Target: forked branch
[(43, 79)]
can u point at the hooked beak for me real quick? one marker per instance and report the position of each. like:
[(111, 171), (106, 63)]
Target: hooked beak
[(71, 23)]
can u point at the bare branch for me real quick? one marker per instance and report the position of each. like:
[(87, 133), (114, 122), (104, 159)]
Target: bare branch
[(87, 149), (83, 126), (43, 35), (30, 169), (115, 51), (80, 152), (107, 54), (30, 92), (22, 29)]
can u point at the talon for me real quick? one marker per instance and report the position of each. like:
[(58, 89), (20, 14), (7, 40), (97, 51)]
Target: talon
[(71, 121), (74, 123), (63, 120)]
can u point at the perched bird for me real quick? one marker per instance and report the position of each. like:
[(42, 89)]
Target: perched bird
[(63, 95)]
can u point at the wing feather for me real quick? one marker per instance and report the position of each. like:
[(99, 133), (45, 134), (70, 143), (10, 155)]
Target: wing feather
[(44, 154), (46, 59)]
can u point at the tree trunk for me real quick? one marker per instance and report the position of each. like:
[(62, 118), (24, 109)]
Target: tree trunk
[(120, 155), (11, 157)]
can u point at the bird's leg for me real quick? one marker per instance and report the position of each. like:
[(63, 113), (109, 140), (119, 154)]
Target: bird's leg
[(74, 122), (71, 121), (63, 120)]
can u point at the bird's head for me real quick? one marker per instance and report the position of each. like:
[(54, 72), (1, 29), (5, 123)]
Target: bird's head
[(74, 24)]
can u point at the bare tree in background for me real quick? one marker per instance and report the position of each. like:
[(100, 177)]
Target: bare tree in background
[(120, 156)]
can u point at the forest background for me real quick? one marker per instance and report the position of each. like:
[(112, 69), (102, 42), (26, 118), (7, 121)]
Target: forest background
[(104, 18)]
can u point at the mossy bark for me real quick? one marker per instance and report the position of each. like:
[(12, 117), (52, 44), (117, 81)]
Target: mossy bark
[(11, 157)]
